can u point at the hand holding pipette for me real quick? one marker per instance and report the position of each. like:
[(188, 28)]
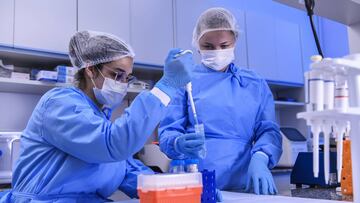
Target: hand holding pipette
[(189, 89), (199, 128)]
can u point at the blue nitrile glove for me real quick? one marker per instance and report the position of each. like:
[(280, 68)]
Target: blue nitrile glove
[(260, 176), (177, 72), (219, 197), (190, 145)]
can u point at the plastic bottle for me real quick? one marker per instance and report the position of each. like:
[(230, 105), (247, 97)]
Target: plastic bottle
[(191, 165), (177, 166)]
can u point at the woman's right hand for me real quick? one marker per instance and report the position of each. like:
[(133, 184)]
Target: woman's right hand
[(177, 71)]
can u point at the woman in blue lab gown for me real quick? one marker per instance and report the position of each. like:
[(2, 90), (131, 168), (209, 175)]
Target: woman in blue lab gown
[(236, 107), (70, 150)]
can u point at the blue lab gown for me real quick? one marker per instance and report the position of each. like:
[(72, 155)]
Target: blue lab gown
[(237, 110), (70, 152)]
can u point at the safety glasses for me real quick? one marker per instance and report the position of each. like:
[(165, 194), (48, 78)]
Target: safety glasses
[(119, 76)]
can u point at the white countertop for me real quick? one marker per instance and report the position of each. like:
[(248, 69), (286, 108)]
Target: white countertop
[(234, 197)]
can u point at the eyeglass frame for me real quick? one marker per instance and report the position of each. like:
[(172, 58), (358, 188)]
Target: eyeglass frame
[(128, 79)]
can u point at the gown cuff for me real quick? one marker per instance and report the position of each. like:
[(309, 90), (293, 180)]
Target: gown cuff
[(164, 98), (263, 154)]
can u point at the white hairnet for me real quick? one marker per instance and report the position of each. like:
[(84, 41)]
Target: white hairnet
[(214, 19), (89, 48)]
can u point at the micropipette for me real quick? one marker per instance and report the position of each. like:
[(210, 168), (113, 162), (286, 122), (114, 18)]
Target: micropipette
[(327, 131), (189, 90), (199, 128), (339, 146), (316, 129), (192, 104), (182, 52)]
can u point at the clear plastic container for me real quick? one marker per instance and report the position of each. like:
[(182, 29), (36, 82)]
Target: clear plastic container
[(166, 188), (199, 129)]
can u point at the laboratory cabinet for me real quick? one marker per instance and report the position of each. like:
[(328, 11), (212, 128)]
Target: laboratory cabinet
[(138, 22), (261, 44), (6, 22), (289, 66), (111, 16), (15, 110), (188, 11), (274, 48), (151, 31), (45, 25)]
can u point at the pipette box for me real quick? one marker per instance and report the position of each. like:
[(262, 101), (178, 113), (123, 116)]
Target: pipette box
[(21, 76), (66, 70), (45, 75), (170, 188), (65, 79)]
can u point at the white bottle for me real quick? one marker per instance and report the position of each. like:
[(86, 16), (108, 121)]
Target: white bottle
[(315, 86), (341, 94), (329, 91), (316, 90)]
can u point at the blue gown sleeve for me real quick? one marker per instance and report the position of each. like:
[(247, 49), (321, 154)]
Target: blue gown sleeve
[(266, 131), (134, 168), (73, 127), (173, 125)]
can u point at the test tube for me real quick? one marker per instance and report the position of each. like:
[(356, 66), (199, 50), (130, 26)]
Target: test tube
[(199, 129)]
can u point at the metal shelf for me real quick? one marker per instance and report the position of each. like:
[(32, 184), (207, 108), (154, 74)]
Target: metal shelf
[(288, 104), (26, 86), (39, 87), (26, 57)]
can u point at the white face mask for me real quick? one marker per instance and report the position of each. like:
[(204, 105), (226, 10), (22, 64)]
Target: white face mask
[(111, 94), (217, 59)]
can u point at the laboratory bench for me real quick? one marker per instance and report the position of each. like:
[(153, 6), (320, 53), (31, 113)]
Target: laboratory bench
[(319, 193), (298, 195), (295, 195)]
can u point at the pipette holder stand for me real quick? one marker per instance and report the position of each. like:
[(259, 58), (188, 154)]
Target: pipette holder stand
[(353, 116), (349, 69)]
